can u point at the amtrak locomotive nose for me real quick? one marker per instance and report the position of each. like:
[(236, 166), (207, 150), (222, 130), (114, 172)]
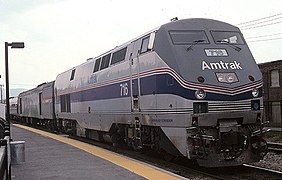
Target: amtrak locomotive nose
[(218, 75)]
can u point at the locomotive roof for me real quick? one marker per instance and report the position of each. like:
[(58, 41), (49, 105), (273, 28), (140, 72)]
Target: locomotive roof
[(37, 88), (199, 24)]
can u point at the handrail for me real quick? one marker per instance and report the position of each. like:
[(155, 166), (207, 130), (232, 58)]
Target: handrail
[(4, 151), (4, 166)]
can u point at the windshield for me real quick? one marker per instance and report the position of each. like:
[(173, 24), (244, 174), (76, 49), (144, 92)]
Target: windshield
[(227, 37), (188, 37)]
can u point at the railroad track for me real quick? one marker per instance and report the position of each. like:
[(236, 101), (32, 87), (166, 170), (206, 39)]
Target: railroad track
[(190, 170), (244, 172), (263, 173), (275, 147)]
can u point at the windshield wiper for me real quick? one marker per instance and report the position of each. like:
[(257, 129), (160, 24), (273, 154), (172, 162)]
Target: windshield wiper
[(229, 44), (195, 43)]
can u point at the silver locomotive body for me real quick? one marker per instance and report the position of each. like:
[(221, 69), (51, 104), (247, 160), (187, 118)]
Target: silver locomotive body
[(188, 88)]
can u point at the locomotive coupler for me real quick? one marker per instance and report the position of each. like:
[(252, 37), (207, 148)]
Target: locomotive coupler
[(232, 142)]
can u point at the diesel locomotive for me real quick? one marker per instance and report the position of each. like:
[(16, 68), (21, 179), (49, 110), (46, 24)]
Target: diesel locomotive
[(187, 88)]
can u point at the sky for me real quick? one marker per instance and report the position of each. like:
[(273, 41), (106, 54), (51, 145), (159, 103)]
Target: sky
[(61, 34)]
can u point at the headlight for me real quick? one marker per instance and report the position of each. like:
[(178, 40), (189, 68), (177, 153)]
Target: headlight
[(200, 94), (255, 92), (231, 78), (227, 77), (220, 78)]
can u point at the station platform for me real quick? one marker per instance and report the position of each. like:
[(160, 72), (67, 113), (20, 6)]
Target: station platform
[(50, 156)]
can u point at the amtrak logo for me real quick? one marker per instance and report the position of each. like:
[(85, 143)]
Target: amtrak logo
[(221, 65)]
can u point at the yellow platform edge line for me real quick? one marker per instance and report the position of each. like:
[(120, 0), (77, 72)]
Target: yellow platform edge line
[(148, 172)]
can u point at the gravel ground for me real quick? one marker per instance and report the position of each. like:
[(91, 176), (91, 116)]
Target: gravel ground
[(271, 161)]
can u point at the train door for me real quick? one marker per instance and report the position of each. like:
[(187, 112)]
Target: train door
[(40, 103), (21, 106), (135, 75), (134, 130), (140, 47)]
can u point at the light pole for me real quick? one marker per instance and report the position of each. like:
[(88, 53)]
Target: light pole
[(13, 45)]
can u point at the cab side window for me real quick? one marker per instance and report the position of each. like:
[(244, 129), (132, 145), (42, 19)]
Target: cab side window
[(118, 56), (97, 65), (105, 61), (72, 74), (144, 46)]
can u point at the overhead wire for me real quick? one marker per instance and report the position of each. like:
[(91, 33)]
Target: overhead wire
[(279, 14), (260, 40), (253, 27), (253, 24), (267, 35), (262, 22)]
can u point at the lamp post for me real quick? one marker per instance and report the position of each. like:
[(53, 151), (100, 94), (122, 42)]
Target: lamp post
[(12, 45)]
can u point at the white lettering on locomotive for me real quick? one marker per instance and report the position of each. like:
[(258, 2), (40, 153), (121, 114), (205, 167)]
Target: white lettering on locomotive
[(123, 89), (221, 65)]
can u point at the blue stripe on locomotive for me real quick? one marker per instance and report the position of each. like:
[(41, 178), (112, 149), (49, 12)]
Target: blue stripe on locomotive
[(164, 85), (100, 93), (150, 85)]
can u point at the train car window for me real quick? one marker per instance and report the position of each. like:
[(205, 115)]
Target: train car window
[(97, 65), (105, 61), (63, 103), (188, 37), (72, 74), (118, 56), (230, 37), (144, 46)]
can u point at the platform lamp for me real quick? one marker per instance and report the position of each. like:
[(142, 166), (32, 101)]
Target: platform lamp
[(12, 45)]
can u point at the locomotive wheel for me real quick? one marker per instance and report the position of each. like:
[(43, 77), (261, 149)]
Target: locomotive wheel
[(115, 141)]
